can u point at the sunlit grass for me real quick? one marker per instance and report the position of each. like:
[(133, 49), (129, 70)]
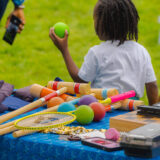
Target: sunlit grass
[(34, 59)]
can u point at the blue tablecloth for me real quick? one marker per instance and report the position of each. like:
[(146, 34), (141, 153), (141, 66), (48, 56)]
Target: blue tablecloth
[(41, 146)]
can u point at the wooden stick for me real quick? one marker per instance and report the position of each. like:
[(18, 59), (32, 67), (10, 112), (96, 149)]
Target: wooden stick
[(73, 88), (30, 106), (130, 104), (127, 104), (7, 124), (7, 130), (21, 133)]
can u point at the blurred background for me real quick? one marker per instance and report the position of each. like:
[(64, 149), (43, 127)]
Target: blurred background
[(34, 59)]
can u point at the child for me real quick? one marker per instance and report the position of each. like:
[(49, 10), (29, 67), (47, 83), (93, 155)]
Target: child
[(118, 62)]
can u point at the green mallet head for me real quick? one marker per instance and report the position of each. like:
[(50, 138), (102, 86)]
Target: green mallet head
[(59, 29)]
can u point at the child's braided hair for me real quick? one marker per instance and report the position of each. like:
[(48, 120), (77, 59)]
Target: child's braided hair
[(116, 20)]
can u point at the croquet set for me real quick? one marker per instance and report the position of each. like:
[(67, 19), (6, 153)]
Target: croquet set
[(69, 102)]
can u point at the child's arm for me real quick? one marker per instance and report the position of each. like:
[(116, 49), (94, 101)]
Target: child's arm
[(62, 45), (152, 92)]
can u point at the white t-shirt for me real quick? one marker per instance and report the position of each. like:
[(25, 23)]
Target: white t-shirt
[(125, 67)]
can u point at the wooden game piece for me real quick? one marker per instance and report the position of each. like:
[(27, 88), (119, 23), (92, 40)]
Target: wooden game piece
[(127, 104), (73, 88), (130, 121), (102, 93), (130, 105), (36, 90), (30, 106), (40, 91)]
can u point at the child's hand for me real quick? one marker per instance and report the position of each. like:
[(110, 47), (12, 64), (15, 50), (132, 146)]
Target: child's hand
[(60, 43)]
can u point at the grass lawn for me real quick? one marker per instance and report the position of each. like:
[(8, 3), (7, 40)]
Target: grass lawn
[(34, 59)]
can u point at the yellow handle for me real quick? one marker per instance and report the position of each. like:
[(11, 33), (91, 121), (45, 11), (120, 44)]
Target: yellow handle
[(106, 101)]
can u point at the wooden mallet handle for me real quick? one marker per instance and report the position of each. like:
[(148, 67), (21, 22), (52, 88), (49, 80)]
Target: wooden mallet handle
[(7, 124), (7, 130), (103, 93), (21, 133), (73, 88)]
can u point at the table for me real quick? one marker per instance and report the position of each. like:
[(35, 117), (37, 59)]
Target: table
[(41, 146)]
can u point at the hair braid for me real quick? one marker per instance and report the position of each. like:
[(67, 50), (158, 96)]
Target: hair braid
[(116, 20)]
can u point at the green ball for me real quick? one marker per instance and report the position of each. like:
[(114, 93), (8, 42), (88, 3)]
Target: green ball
[(84, 114), (59, 29)]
